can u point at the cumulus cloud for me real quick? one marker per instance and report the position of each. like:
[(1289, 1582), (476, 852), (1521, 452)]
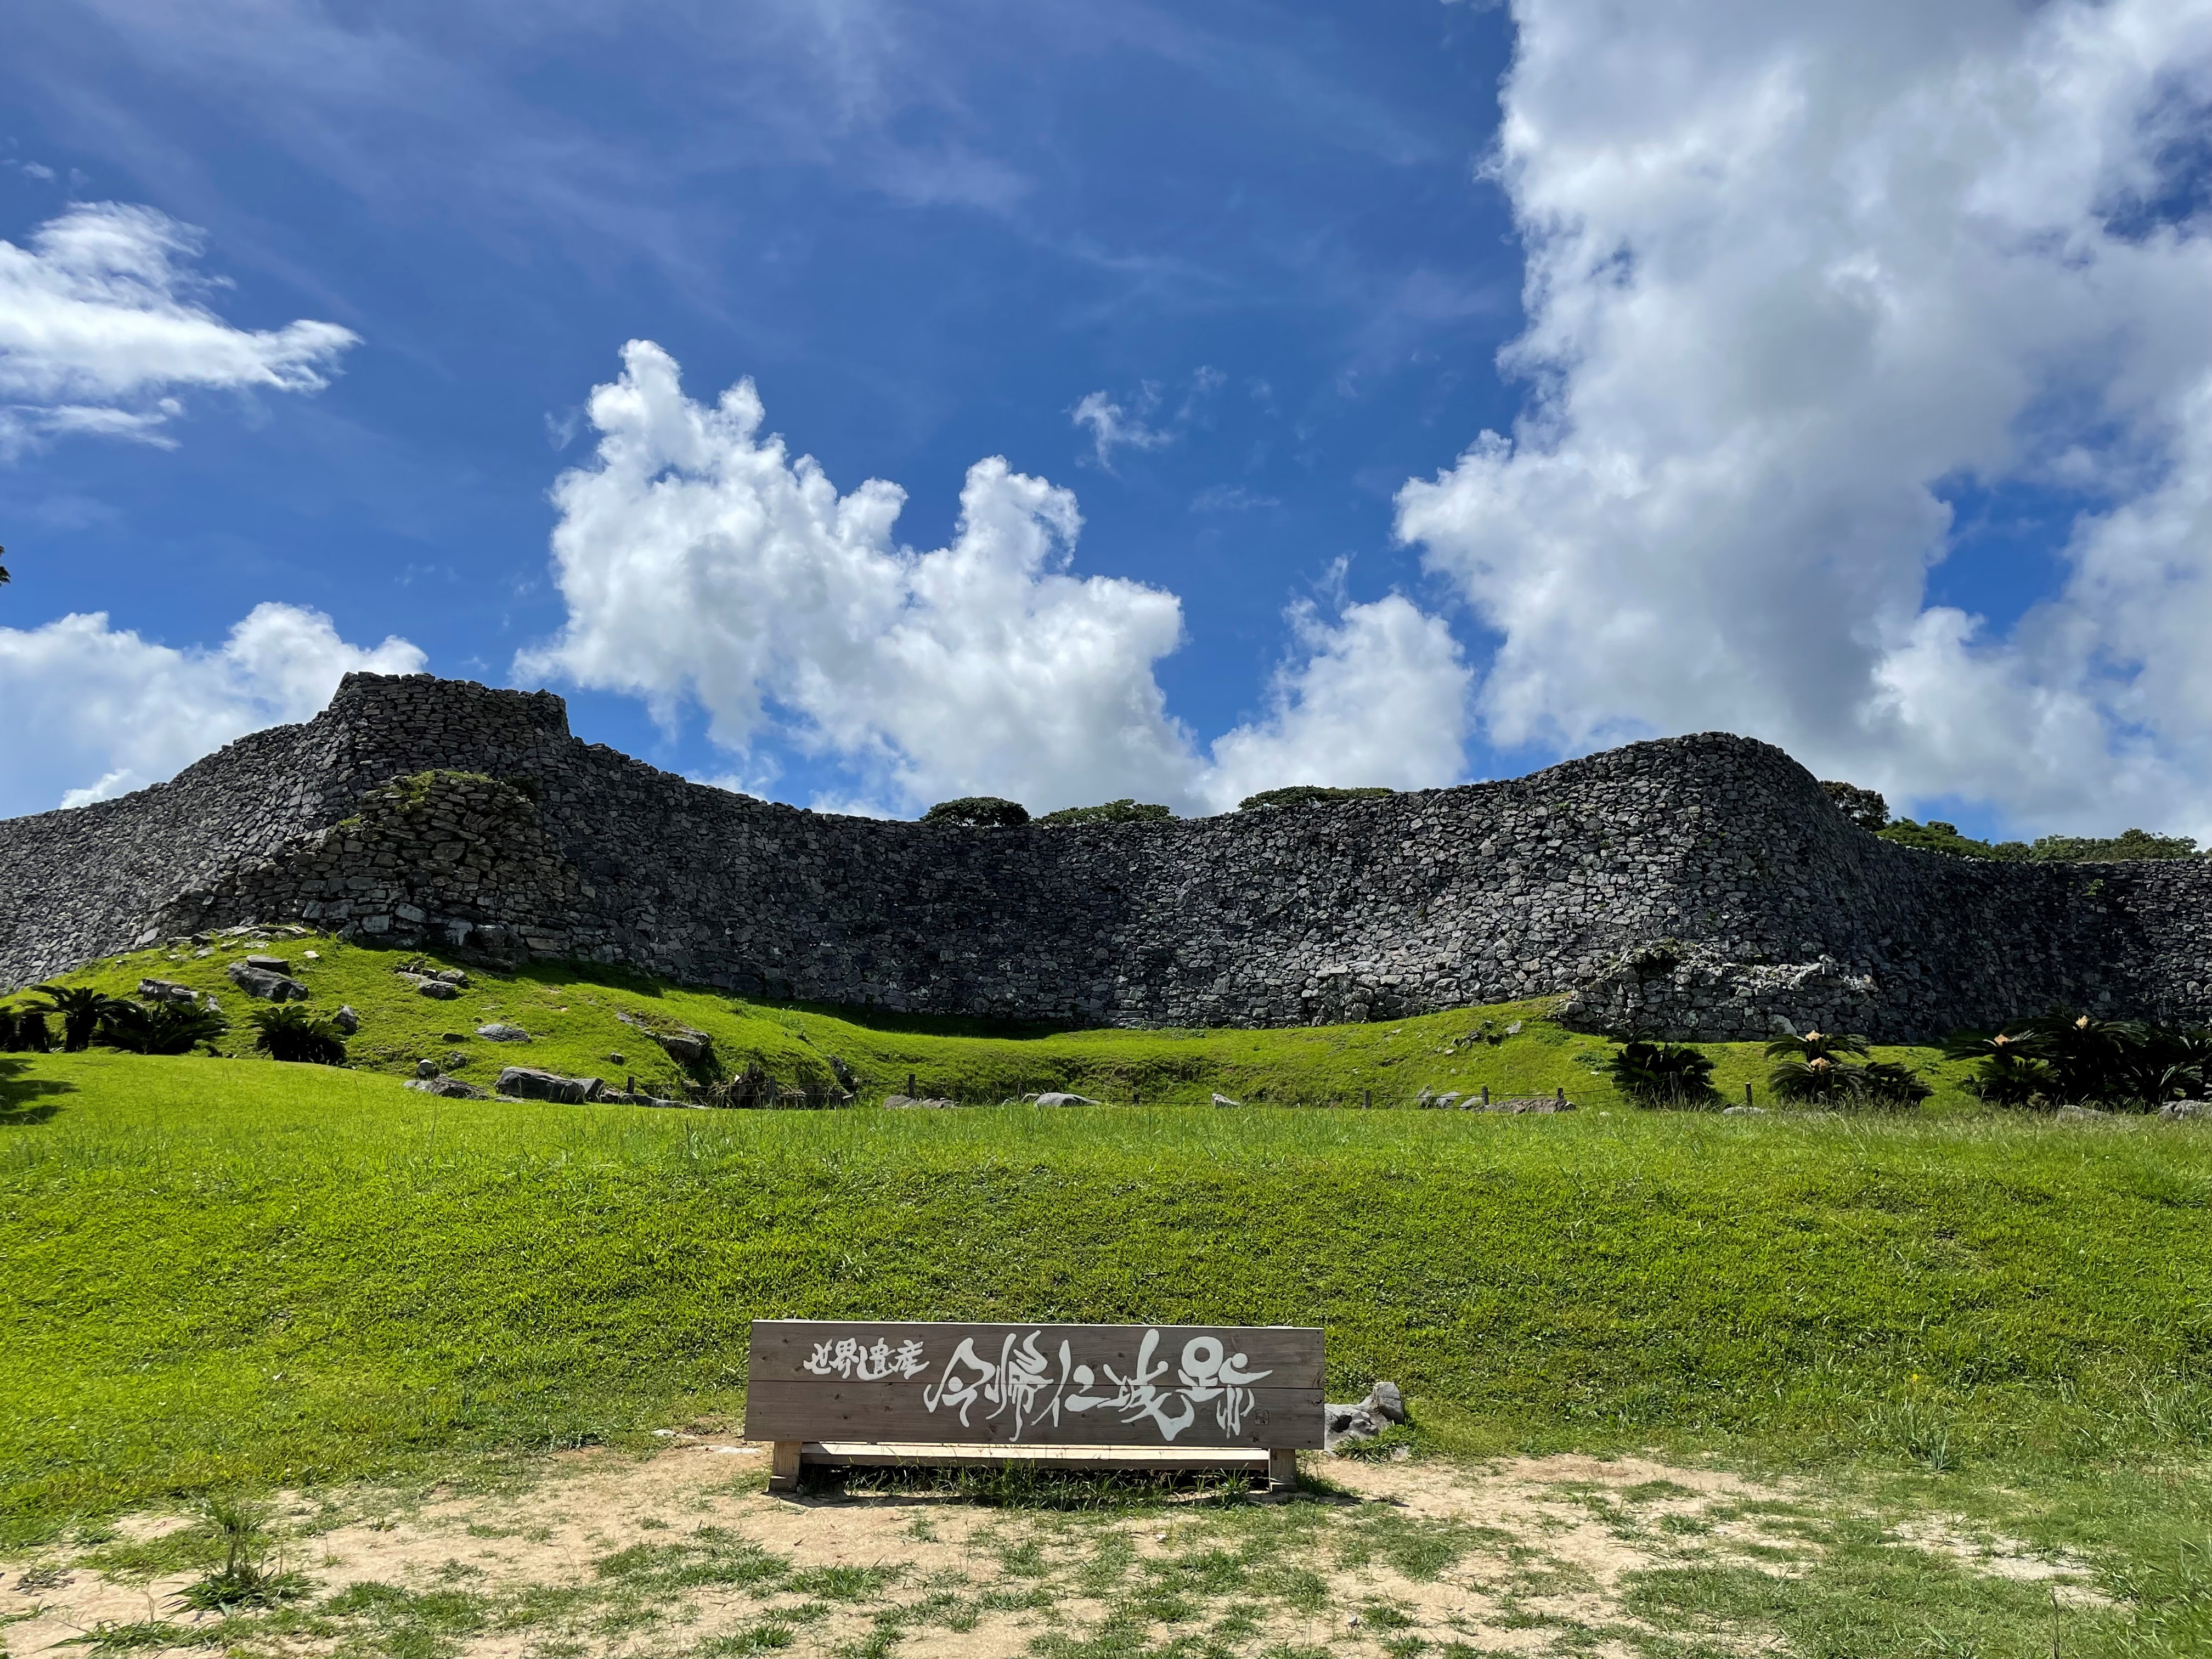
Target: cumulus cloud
[(102, 319), (701, 563), (1795, 274), (1379, 697), (96, 711)]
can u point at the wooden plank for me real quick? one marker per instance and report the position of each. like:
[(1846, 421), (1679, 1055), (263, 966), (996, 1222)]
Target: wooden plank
[(866, 1411), (1119, 1385), (783, 1471), (873, 1454), (782, 1350)]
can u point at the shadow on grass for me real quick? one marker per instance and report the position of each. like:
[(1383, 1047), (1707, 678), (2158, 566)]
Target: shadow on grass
[(1016, 1485), (21, 1097)]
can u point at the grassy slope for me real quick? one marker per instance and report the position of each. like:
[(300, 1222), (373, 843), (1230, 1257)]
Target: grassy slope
[(571, 1015), (230, 1271)]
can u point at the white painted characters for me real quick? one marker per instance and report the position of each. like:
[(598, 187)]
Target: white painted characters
[(847, 1358), (1027, 1388)]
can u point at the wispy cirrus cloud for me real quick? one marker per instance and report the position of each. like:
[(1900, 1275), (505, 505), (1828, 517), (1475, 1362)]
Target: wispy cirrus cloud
[(103, 318)]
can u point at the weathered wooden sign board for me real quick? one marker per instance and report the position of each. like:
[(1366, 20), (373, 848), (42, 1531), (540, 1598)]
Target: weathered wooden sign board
[(1150, 1396)]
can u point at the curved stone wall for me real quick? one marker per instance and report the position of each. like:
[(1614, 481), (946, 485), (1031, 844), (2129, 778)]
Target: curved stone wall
[(1701, 886)]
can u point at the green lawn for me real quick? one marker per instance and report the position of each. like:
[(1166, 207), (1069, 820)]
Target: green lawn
[(230, 1273)]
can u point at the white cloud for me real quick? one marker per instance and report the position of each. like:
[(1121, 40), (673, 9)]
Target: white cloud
[(1113, 427), (1793, 271), (699, 560), (95, 711), (701, 563), (1381, 697), (101, 320)]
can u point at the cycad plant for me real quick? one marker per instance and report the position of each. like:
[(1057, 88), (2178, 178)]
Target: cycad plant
[(1813, 1070), (291, 1032), (80, 1007), (2090, 1058), (2011, 1071), (166, 1028), (1666, 1074)]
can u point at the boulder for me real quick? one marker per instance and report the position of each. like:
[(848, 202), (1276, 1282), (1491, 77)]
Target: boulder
[(451, 1087), (426, 1068), (1743, 1111), (1530, 1103), (346, 1020), (1349, 1425), (899, 1103), (1064, 1100), (497, 1032), (164, 990), (686, 1046), (438, 990), (270, 987), (1223, 1100), (269, 964), (2175, 1111), (527, 1083)]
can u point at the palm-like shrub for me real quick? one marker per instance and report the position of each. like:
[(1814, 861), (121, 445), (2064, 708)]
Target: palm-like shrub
[(80, 1007), (165, 1028), (2090, 1058), (23, 1031), (1816, 1070), (2011, 1071), (1887, 1083), (1653, 1073), (291, 1032)]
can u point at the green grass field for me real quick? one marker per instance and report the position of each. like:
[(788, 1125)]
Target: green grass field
[(228, 1274)]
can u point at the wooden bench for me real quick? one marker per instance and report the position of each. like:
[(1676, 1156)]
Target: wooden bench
[(1156, 1397)]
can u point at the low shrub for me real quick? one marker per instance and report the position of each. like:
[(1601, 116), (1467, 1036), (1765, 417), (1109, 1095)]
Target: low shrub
[(165, 1028), (291, 1032), (1308, 794), (1112, 811), (1662, 1074), (978, 813)]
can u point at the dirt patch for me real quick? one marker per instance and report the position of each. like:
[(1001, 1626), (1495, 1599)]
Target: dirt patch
[(683, 1553)]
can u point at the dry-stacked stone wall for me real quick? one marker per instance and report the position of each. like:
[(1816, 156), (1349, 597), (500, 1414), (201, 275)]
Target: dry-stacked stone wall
[(1699, 886)]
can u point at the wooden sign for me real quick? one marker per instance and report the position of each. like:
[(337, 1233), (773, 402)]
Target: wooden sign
[(1183, 1387)]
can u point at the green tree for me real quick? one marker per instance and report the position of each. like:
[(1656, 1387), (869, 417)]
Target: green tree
[(979, 813), (1308, 794), (1113, 812)]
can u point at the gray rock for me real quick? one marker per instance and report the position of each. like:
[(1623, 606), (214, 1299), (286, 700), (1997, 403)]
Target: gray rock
[(1063, 1100), (1349, 1425), (1529, 1103), (269, 964), (1223, 1100), (451, 975), (426, 1068), (438, 990), (527, 1083), (164, 990), (686, 1046), (902, 1102), (270, 988), (346, 1020), (451, 1087), (1743, 1111), (2176, 1111), (497, 1032)]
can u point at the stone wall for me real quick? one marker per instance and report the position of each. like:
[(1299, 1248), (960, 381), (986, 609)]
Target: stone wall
[(1700, 886)]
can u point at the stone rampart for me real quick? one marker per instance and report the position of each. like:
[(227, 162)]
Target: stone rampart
[(1699, 886)]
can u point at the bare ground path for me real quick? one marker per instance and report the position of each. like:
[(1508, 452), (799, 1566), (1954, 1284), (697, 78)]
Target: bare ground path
[(682, 1554)]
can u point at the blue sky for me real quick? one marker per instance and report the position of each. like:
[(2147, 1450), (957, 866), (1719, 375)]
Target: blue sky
[(1275, 250)]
